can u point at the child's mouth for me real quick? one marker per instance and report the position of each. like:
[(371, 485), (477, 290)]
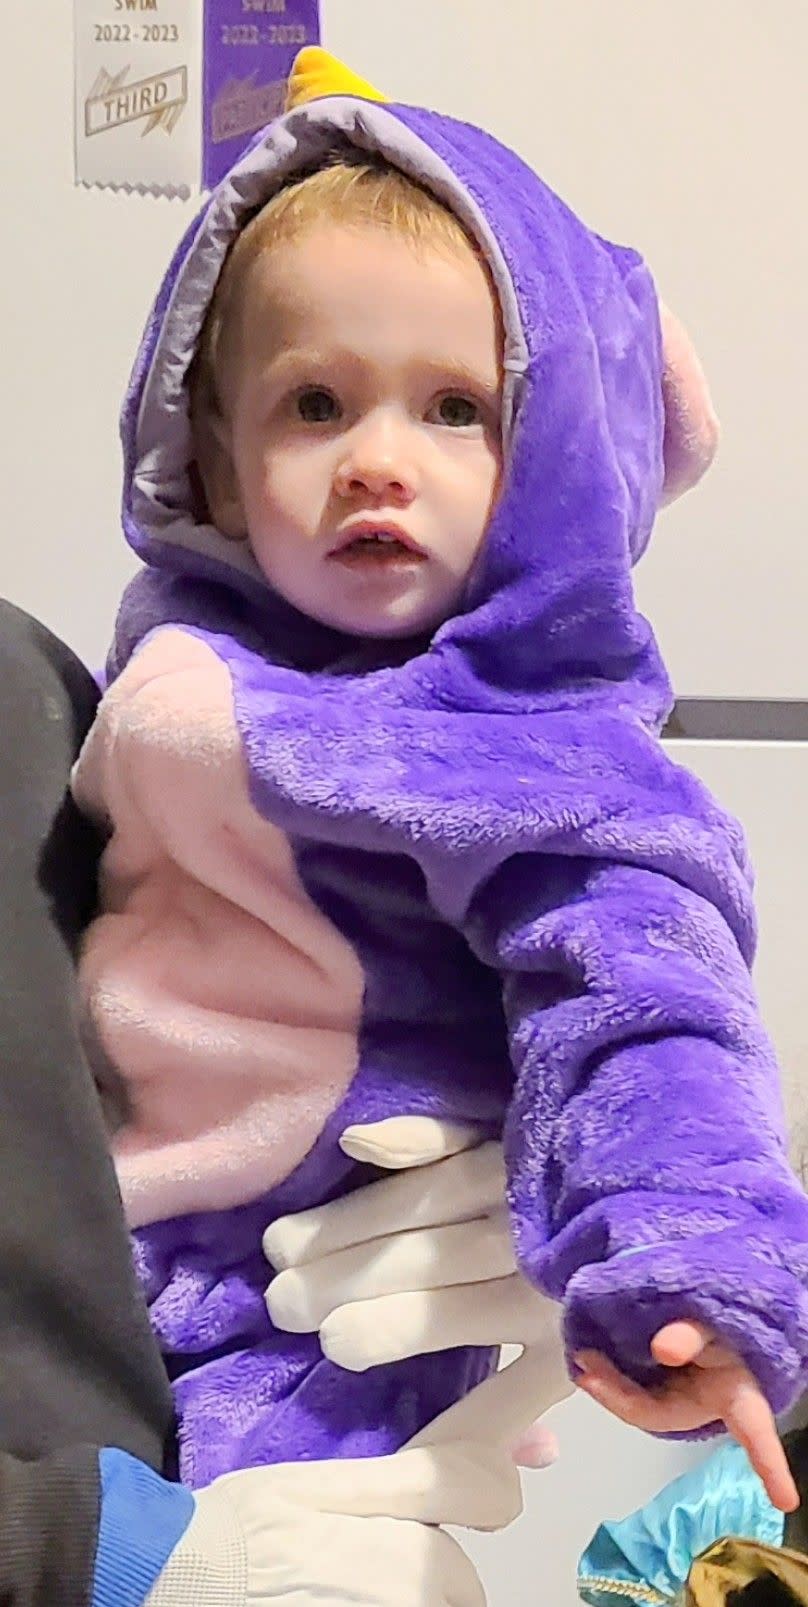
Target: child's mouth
[(383, 549)]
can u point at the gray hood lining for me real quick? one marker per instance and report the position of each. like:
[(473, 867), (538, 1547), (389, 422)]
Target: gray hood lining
[(161, 495)]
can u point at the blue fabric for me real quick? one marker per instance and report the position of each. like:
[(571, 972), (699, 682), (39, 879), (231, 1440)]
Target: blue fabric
[(143, 1518), (657, 1546)]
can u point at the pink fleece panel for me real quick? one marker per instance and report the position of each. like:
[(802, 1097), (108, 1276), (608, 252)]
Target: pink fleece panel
[(227, 1002)]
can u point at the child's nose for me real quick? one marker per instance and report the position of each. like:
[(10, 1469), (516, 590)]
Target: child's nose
[(377, 465)]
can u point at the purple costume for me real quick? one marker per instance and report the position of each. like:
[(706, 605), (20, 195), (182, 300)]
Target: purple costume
[(553, 920)]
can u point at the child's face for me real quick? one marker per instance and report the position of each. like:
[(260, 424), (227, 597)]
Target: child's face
[(364, 426)]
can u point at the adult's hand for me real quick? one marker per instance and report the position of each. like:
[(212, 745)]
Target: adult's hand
[(365, 1531), (419, 1262)]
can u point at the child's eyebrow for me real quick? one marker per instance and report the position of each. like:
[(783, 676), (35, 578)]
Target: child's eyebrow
[(462, 374), (445, 370)]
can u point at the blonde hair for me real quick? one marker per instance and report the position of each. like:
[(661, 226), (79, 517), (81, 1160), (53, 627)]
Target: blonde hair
[(345, 192)]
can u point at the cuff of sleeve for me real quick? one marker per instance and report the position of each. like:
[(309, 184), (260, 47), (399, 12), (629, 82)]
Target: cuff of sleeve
[(751, 1303), (143, 1517)]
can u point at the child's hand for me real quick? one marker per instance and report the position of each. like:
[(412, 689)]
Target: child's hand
[(712, 1385)]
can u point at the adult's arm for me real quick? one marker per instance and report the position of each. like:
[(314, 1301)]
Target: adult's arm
[(78, 1367)]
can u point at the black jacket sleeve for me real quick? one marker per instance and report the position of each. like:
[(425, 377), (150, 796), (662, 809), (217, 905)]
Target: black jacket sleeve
[(78, 1366), (48, 1528)]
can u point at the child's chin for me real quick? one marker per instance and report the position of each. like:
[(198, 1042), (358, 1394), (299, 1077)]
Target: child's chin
[(385, 625)]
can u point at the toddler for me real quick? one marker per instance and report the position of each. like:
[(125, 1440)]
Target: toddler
[(390, 827)]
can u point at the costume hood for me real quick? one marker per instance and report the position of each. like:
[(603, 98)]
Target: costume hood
[(550, 600)]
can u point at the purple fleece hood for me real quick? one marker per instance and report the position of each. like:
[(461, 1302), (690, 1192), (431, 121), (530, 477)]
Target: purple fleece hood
[(551, 597)]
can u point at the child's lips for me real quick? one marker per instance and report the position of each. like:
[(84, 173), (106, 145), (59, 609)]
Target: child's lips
[(382, 558), (378, 544)]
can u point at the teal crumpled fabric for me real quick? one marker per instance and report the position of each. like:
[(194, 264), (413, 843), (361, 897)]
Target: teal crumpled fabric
[(655, 1548)]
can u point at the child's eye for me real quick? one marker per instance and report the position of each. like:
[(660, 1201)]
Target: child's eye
[(458, 412), (317, 406)]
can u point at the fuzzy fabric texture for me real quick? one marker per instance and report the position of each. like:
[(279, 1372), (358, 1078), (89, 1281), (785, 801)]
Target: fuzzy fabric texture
[(554, 921), (228, 1000)]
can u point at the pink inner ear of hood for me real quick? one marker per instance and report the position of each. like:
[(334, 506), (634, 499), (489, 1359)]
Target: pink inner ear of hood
[(691, 426)]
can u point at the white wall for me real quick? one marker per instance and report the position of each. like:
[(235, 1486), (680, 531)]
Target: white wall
[(680, 129)]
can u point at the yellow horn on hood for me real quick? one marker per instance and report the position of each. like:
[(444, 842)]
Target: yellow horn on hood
[(316, 73)]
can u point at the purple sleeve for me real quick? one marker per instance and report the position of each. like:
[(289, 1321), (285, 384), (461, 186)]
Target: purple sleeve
[(645, 1142)]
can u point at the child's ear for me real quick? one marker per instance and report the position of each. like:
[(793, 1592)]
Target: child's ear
[(217, 474), (691, 425)]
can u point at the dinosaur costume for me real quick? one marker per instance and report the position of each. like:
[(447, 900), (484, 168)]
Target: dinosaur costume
[(459, 876)]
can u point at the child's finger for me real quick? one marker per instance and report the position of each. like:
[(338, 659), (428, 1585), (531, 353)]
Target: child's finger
[(681, 1343), (748, 1418), (693, 1401)]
